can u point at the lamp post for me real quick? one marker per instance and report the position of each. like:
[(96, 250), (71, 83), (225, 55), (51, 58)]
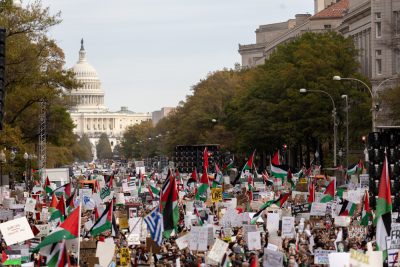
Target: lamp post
[(2, 161), (26, 157), (375, 107), (346, 98), (303, 91)]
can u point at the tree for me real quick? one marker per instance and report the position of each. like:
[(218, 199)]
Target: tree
[(34, 72), (391, 98), (137, 141), (85, 152), (104, 148)]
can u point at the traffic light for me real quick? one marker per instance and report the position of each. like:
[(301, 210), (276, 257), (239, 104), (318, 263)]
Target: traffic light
[(2, 73)]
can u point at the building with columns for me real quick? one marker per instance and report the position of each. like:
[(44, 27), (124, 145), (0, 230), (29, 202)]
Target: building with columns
[(89, 113)]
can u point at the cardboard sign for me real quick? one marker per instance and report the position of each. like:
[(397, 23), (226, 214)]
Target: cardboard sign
[(105, 251), (216, 194), (318, 209), (254, 240), (183, 241), (272, 258), (6, 215), (357, 232), (124, 256), (303, 208), (16, 231), (322, 256), (342, 221), (218, 250), (395, 236), (364, 180), (198, 238), (44, 230), (30, 205), (288, 227), (273, 224), (359, 259), (339, 259)]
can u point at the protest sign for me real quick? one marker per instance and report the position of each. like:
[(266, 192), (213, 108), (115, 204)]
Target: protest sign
[(30, 205), (364, 180), (218, 250), (44, 230), (342, 221), (357, 232), (272, 258), (253, 240), (105, 251), (321, 256), (16, 230), (359, 259), (288, 227), (124, 257), (216, 194), (395, 236), (198, 238), (120, 199), (183, 241), (273, 224), (318, 209), (210, 235), (302, 208), (6, 215), (339, 259)]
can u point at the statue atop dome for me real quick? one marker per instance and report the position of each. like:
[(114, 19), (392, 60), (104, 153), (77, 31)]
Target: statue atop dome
[(82, 53)]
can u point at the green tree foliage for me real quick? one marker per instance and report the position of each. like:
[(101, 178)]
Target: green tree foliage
[(137, 142), (35, 71), (391, 98), (84, 151), (104, 148)]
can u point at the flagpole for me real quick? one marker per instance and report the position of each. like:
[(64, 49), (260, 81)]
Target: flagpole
[(79, 231)]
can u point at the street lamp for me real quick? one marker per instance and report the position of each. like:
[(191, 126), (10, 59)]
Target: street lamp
[(375, 107), (346, 98), (26, 157), (303, 91), (2, 161)]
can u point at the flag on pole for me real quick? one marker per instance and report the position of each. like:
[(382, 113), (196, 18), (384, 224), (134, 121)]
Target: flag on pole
[(329, 193), (104, 222), (63, 190), (249, 165), (275, 159), (47, 187), (348, 208), (205, 159), (53, 204), (154, 221), (311, 192), (290, 178), (279, 202), (69, 229), (383, 218), (169, 205), (154, 191), (366, 216), (58, 256), (202, 189), (59, 212)]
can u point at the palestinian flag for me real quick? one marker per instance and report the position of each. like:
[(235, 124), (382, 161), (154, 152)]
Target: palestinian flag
[(352, 169), (104, 222), (275, 160), (267, 181), (96, 213), (53, 204), (290, 179), (311, 192), (360, 167), (193, 177), (228, 166), (63, 190), (202, 189), (169, 205), (58, 256), (279, 202), (47, 187), (141, 182), (199, 220), (277, 171), (218, 177), (250, 184), (154, 191), (340, 191), (329, 193), (366, 215), (59, 212), (69, 229), (248, 166), (383, 218), (348, 208), (10, 258)]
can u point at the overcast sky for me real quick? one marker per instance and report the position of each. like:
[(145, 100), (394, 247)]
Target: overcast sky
[(149, 53)]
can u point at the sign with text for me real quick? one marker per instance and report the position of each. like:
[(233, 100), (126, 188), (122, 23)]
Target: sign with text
[(303, 208), (288, 227), (318, 209), (321, 256), (253, 240), (395, 236), (216, 194), (198, 238), (272, 258), (218, 250), (364, 180), (16, 230)]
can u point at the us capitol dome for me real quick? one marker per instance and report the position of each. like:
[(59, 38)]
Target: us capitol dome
[(89, 113)]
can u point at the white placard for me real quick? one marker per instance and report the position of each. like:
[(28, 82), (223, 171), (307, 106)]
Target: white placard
[(395, 236), (16, 230), (364, 180), (318, 209), (339, 259), (273, 224), (183, 241), (44, 230), (272, 258), (30, 205), (218, 250), (288, 227), (342, 221), (105, 251), (120, 199), (198, 238), (321, 256), (254, 240)]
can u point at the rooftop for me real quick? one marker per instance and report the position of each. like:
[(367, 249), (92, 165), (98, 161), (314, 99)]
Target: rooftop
[(336, 10)]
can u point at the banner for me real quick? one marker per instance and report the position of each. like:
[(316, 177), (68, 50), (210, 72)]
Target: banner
[(303, 208)]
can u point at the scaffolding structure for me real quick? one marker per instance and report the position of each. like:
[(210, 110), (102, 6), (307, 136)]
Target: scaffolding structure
[(42, 139)]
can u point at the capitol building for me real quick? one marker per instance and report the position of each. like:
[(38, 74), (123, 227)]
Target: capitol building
[(89, 113)]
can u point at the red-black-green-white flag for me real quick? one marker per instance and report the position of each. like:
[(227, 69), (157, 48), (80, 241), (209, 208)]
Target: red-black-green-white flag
[(275, 159), (58, 256), (11, 258), (104, 222), (47, 187), (201, 193), (311, 192), (248, 166), (169, 205), (329, 193), (383, 215), (348, 208), (205, 159), (53, 204), (69, 229), (366, 215), (59, 212), (279, 202)]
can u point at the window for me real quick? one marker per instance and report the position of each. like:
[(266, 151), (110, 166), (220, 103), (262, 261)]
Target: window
[(378, 66), (378, 27), (378, 15), (396, 22), (378, 52), (327, 26)]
